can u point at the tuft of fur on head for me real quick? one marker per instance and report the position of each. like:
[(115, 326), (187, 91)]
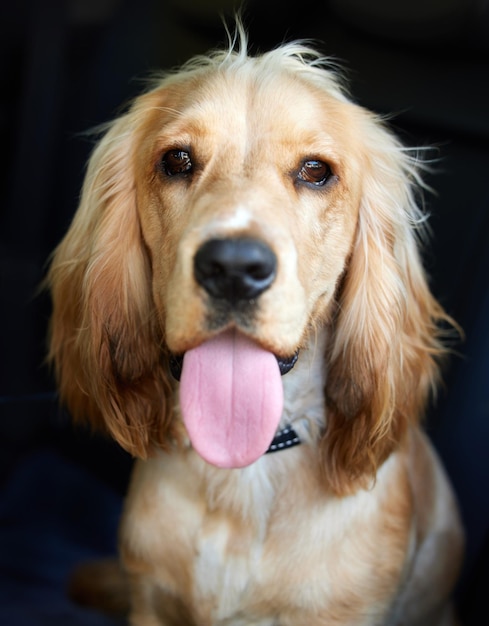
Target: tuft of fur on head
[(298, 57)]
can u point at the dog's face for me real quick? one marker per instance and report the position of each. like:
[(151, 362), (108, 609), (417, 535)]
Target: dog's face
[(248, 195)]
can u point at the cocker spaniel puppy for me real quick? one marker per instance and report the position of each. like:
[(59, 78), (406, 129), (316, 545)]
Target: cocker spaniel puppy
[(240, 303)]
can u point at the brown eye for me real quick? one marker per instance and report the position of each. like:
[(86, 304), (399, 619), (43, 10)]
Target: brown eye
[(176, 162), (315, 172)]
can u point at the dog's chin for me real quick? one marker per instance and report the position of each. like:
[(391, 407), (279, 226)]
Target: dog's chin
[(285, 364)]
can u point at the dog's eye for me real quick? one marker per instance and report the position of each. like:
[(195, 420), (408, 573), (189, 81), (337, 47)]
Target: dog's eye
[(175, 162), (315, 172)]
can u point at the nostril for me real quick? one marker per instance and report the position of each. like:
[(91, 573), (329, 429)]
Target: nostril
[(235, 269)]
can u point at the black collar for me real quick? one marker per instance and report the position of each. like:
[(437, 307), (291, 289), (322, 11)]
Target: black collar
[(284, 439)]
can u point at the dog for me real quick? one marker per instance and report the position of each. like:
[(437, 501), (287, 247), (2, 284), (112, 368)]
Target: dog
[(240, 302)]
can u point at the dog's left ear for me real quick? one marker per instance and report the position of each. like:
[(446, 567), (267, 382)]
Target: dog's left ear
[(106, 344), (382, 362)]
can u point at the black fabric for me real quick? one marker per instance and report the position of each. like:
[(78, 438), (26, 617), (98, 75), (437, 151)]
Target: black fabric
[(53, 515)]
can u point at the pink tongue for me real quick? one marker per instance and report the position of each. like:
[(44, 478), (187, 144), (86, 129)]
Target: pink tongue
[(231, 398)]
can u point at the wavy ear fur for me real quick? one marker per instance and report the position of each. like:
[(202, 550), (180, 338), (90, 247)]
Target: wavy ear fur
[(385, 338), (105, 341)]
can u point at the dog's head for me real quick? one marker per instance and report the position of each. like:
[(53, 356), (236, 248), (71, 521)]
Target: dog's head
[(247, 200)]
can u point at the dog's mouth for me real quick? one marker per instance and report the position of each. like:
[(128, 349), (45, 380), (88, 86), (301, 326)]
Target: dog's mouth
[(231, 397), (284, 364)]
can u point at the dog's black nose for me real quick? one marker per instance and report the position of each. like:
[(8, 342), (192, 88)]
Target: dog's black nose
[(235, 269)]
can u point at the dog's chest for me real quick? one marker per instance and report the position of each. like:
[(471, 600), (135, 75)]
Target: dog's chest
[(226, 569), (244, 553), (230, 544), (206, 545)]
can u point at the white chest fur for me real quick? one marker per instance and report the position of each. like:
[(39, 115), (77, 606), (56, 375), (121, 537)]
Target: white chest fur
[(218, 538)]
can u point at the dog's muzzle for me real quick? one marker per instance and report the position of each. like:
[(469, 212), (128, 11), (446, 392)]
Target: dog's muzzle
[(235, 271)]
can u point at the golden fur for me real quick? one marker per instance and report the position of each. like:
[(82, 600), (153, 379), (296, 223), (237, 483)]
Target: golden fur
[(344, 529)]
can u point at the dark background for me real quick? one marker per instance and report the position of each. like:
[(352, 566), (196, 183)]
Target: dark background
[(68, 65)]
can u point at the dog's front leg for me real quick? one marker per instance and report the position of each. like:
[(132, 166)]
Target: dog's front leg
[(153, 606), (143, 612)]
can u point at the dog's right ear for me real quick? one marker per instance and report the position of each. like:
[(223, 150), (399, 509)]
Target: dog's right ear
[(105, 340), (388, 338)]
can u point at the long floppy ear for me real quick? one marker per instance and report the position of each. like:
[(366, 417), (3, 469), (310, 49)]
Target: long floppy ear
[(385, 338), (105, 342)]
